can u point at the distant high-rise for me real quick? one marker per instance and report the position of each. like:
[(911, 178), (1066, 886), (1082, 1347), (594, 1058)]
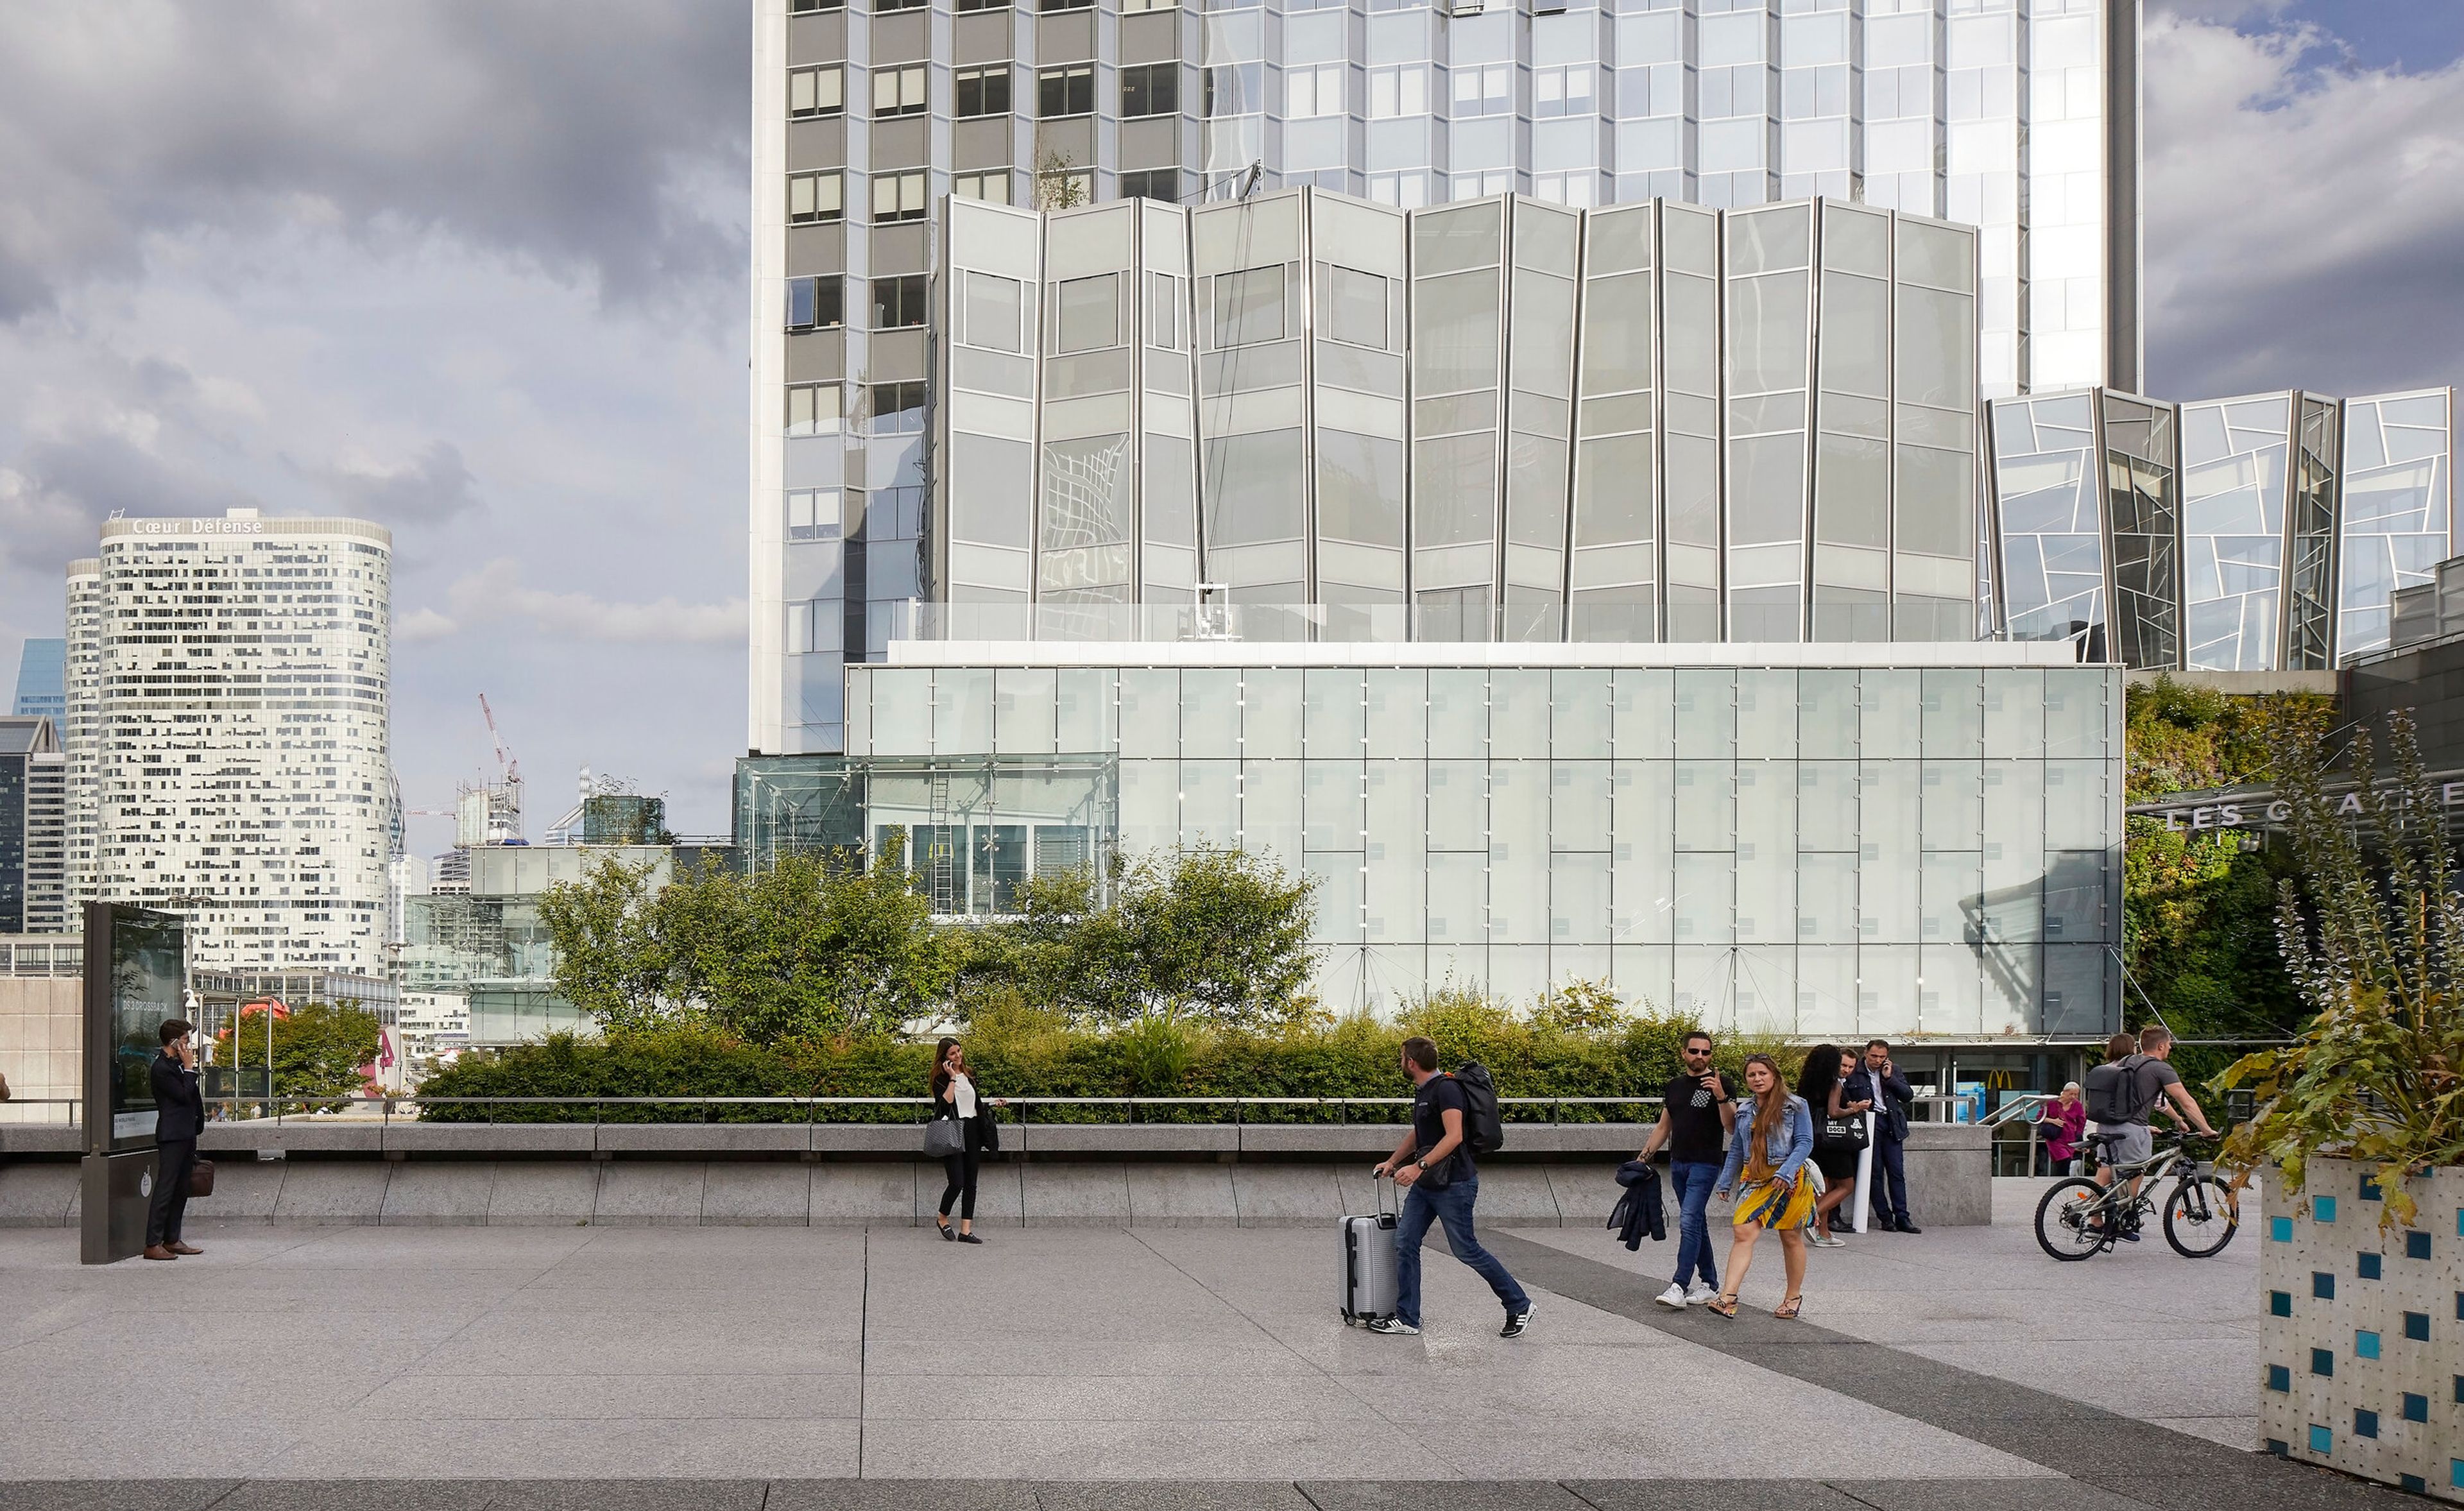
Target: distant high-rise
[(229, 689), (81, 733), (33, 829), (2018, 117), (41, 689)]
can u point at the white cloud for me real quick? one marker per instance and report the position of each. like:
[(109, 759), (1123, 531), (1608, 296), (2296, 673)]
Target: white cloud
[(496, 594), (2304, 215)]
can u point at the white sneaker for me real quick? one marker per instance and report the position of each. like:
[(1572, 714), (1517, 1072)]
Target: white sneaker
[(1700, 1294), (1674, 1298)]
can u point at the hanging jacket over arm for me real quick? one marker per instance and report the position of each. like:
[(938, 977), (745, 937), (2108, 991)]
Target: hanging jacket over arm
[(1638, 1209)]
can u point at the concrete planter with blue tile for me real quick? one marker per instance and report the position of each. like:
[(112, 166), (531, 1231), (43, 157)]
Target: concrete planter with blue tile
[(2362, 1332)]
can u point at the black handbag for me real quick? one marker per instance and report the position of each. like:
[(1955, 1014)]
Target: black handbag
[(1846, 1131), (944, 1137)]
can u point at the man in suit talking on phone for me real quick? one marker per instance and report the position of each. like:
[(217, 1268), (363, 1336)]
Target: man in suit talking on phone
[(179, 1117)]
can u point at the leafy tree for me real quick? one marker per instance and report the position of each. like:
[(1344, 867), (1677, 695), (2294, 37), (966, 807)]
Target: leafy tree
[(815, 945), (2371, 924), (319, 1049)]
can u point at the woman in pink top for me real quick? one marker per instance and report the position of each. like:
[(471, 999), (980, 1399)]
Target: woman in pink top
[(2065, 1124)]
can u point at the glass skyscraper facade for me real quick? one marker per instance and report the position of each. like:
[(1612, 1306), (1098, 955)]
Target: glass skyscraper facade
[(2017, 117), (2266, 532), (42, 680)]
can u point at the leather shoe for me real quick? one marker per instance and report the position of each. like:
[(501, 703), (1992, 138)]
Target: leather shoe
[(156, 1251), (1909, 1227), (182, 1248)]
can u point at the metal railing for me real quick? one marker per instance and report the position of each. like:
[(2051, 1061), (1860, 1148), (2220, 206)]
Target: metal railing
[(383, 1109)]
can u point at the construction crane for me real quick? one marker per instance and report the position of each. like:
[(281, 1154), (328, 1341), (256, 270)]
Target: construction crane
[(509, 771), (493, 813)]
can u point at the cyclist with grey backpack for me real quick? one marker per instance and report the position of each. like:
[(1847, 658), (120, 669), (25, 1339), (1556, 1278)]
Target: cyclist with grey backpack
[(1453, 1117), (2123, 1094)]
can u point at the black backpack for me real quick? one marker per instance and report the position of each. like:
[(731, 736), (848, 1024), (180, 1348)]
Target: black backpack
[(1483, 1130), (2114, 1092)]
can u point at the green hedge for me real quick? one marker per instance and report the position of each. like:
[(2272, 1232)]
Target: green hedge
[(1021, 1052)]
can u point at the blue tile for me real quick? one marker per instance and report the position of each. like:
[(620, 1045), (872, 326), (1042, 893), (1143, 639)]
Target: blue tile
[(2322, 1361), (2322, 1284), (2321, 1440), (2412, 1484), (2279, 1447), (2417, 1408), (2455, 1473), (2459, 1390), (2416, 1327), (2323, 1208), (2366, 1345), (2416, 1245), (2367, 1265), (2280, 1379), (2366, 1424), (2279, 1303), (2369, 1189), (2279, 1230)]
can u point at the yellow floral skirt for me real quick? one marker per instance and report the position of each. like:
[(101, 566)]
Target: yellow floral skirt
[(1762, 1202)]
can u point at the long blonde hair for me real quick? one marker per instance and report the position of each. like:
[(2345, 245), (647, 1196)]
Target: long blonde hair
[(1770, 1112)]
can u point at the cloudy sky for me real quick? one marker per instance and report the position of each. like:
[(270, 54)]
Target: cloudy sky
[(476, 271)]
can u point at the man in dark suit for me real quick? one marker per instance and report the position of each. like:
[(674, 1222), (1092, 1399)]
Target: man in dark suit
[(1881, 1082), (179, 1117)]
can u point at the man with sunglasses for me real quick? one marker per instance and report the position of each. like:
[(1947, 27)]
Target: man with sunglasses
[(1698, 1111)]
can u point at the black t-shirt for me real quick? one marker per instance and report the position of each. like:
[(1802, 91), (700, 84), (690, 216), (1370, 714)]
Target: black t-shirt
[(1429, 1104), (1695, 1136)]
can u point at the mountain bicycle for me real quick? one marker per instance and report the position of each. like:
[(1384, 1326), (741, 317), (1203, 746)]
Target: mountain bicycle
[(2078, 1218)]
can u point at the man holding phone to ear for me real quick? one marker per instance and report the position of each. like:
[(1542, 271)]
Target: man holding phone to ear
[(179, 1117)]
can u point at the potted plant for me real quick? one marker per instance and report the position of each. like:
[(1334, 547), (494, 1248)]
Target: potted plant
[(2357, 1138)]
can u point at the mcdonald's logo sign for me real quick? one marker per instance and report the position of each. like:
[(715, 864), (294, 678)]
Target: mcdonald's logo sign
[(2001, 1080)]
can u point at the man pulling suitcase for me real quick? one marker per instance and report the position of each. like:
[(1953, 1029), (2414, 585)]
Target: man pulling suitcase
[(1432, 1168)]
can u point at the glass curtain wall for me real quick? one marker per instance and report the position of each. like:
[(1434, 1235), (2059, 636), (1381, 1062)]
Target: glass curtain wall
[(1689, 330), (1547, 246), (2234, 496), (1615, 569), (1252, 260), (2144, 515), (1798, 850), (2398, 516), (1852, 461), (1356, 364), (2051, 519), (1457, 351), (1770, 353), (2317, 482), (1934, 339)]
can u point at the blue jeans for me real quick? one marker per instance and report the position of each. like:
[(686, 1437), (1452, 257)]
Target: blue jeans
[(1452, 1206), (1693, 1184)]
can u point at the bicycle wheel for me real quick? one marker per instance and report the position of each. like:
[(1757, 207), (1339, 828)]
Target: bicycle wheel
[(2065, 1218), (2201, 1217)]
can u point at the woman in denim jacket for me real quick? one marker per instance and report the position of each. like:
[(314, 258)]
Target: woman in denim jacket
[(1766, 1169)]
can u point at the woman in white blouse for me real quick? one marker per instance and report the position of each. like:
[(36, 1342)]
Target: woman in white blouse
[(954, 1096)]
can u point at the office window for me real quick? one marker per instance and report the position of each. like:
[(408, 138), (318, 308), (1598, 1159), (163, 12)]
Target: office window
[(897, 408), (1069, 91), (899, 302), (984, 92), (815, 304), (1563, 91), (814, 196), (1164, 312), (1065, 189), (993, 187), (816, 91), (1086, 314), (1133, 7), (898, 91), (1156, 184), (983, 5), (1353, 306), (992, 311), (1484, 91), (885, 7), (1151, 89), (1250, 306), (1236, 88), (812, 513), (898, 196), (1049, 5), (810, 7), (812, 409), (1399, 91), (1314, 92)]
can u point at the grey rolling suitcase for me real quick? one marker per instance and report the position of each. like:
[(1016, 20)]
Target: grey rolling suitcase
[(1369, 1266)]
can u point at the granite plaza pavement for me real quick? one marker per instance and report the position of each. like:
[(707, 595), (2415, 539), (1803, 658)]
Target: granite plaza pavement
[(779, 1369)]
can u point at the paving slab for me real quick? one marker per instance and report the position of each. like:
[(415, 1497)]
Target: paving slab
[(37, 1193), (1183, 1196), (318, 1191), (1403, 1495), (760, 1193), (542, 1194), (901, 1495), (857, 1193), (447, 1193), (1082, 1193), (1281, 1195), (360, 1495), (648, 1193), (1270, 1495), (124, 1495), (1721, 1495)]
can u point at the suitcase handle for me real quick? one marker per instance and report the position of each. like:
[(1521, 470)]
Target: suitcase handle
[(1378, 1185)]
